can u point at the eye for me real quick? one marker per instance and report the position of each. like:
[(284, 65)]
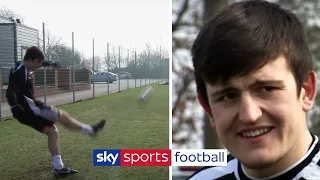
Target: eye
[(269, 88), (227, 97)]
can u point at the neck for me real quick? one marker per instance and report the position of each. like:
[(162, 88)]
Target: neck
[(296, 153), (25, 64)]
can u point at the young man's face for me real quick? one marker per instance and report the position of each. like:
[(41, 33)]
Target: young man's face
[(264, 102), (35, 64)]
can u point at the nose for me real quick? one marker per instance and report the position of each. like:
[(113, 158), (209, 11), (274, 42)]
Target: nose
[(249, 111)]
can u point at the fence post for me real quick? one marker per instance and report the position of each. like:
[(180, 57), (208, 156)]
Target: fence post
[(1, 84), (135, 68), (73, 70), (108, 64), (127, 68), (44, 68), (119, 69), (93, 66)]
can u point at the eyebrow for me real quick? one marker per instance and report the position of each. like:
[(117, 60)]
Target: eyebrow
[(222, 91), (256, 83), (268, 82)]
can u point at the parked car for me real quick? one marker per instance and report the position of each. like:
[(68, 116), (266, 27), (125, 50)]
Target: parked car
[(108, 77), (124, 75)]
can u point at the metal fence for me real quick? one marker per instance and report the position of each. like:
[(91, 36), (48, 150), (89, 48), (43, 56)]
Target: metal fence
[(80, 78)]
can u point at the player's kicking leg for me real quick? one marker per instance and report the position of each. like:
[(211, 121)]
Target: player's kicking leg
[(71, 123), (55, 115)]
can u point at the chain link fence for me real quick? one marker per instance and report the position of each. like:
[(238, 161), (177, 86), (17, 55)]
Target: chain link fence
[(79, 77)]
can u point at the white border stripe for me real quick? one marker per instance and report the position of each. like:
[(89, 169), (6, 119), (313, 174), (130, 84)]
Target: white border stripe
[(170, 83)]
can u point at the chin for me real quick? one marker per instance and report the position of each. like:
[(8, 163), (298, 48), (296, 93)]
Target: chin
[(259, 160)]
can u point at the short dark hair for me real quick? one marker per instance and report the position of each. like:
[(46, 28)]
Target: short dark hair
[(33, 52), (246, 36)]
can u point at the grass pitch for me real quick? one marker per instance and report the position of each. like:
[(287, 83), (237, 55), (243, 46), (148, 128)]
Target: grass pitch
[(130, 124)]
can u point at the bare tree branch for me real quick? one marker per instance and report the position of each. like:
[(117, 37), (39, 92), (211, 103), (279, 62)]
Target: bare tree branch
[(187, 79), (7, 13), (181, 13)]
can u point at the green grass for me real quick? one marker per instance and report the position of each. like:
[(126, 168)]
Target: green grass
[(24, 153)]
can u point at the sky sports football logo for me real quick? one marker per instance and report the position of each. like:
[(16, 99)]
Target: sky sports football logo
[(127, 157), (159, 157)]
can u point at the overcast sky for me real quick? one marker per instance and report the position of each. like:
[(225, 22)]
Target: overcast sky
[(129, 23)]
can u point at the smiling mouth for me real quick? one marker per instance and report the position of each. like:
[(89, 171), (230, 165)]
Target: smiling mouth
[(256, 133)]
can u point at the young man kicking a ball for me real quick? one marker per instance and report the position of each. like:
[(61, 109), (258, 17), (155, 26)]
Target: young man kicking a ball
[(31, 112), (255, 79)]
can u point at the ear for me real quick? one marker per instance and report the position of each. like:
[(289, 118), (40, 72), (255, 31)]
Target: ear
[(309, 92), (206, 108)]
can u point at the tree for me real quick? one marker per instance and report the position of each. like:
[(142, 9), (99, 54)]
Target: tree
[(55, 50), (52, 44), (185, 28), (9, 14), (86, 63), (65, 57), (97, 63), (114, 60)]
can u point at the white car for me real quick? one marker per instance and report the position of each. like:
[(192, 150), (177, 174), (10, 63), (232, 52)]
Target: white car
[(124, 75), (108, 77)]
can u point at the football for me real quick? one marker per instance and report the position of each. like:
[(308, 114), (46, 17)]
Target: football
[(145, 95)]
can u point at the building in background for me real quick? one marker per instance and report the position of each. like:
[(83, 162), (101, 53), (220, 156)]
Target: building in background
[(15, 39)]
